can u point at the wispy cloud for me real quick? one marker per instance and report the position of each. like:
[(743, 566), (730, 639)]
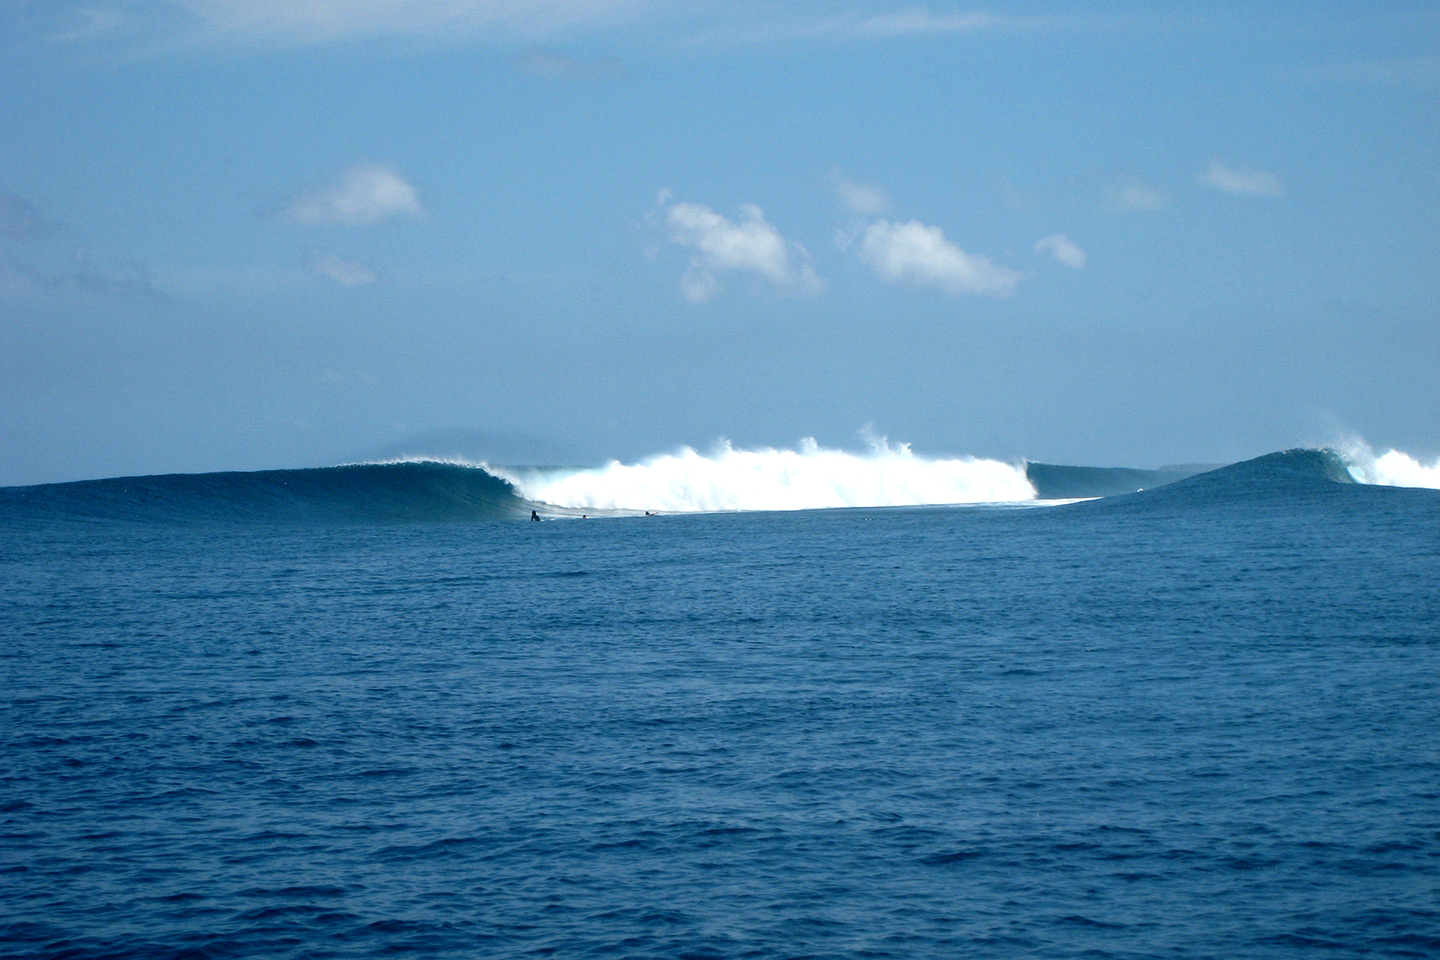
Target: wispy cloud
[(750, 245), (1242, 180), (862, 199), (290, 22), (554, 65), (362, 195), (30, 265), (919, 255), (131, 282), (171, 24), (19, 220), (919, 21), (1012, 196), (1063, 249), (340, 271), (854, 24), (90, 23), (13, 277), (1135, 196), (1418, 71)]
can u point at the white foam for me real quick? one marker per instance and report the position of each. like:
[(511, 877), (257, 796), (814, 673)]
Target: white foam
[(1391, 468), (809, 477)]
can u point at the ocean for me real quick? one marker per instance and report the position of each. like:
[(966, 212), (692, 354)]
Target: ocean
[(375, 710)]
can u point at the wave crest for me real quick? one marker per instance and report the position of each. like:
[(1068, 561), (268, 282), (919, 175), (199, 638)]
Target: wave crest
[(806, 478)]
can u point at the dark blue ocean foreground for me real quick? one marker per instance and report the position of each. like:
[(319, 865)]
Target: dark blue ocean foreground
[(1194, 722)]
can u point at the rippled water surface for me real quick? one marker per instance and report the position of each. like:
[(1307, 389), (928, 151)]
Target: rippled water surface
[(1048, 732)]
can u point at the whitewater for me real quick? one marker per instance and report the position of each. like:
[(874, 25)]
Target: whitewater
[(806, 478), (1391, 468), (885, 475)]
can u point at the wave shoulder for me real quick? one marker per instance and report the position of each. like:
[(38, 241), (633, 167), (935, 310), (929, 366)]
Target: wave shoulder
[(1054, 481), (1293, 476)]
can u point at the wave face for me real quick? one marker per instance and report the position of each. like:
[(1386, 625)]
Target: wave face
[(365, 493), (1055, 482), (806, 478), (1285, 479)]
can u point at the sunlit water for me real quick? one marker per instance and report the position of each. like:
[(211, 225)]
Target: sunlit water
[(1195, 730)]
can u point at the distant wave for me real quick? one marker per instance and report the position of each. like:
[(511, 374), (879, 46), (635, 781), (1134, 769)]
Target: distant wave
[(806, 478), (685, 481)]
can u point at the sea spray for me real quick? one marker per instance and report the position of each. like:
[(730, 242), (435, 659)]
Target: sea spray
[(809, 477), (1392, 468)]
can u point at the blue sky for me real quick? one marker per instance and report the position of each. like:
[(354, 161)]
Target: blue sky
[(240, 234)]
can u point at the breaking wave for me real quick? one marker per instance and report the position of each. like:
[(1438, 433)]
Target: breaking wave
[(809, 477), (416, 491), (1389, 469)]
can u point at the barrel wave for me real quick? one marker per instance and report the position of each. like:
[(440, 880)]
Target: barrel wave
[(357, 493), (726, 479)]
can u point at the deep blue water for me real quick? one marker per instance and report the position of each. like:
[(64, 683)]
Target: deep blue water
[(1198, 722)]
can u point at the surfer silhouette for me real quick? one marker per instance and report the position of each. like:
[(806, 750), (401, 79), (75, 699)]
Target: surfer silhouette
[(534, 516)]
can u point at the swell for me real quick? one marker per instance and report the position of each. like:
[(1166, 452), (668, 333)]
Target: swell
[(1289, 478)]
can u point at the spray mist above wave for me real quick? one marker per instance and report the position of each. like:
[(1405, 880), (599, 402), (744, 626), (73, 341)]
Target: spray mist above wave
[(1390, 469), (807, 478)]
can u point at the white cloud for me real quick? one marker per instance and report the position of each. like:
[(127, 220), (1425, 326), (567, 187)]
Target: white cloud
[(699, 285), (365, 194), (1240, 180), (1133, 195), (1063, 249), (346, 273), (751, 245), (917, 254), (864, 199)]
